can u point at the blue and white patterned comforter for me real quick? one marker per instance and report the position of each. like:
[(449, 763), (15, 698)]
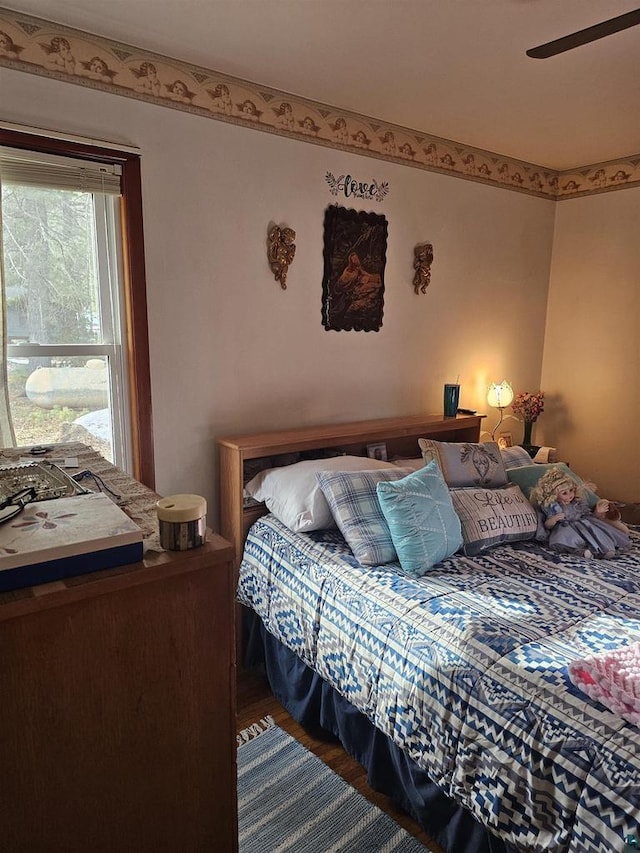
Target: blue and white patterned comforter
[(466, 670)]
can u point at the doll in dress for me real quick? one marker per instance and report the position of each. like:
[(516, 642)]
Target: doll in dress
[(570, 524)]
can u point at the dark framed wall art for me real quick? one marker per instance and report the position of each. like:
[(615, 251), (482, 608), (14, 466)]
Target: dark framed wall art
[(355, 253)]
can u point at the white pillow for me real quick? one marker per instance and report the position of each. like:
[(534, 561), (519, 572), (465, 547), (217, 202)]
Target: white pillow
[(293, 495), (414, 464)]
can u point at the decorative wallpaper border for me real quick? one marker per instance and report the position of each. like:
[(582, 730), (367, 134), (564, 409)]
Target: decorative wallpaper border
[(52, 50)]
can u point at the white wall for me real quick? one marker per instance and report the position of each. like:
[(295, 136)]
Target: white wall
[(231, 351), (592, 349)]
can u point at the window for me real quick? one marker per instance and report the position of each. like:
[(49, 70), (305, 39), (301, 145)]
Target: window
[(75, 350)]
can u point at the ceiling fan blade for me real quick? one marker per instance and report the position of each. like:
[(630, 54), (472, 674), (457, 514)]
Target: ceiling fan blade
[(598, 31)]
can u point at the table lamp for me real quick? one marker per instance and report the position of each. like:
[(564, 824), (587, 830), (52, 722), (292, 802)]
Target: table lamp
[(499, 396)]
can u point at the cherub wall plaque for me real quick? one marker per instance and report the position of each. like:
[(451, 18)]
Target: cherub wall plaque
[(281, 250), (422, 260)]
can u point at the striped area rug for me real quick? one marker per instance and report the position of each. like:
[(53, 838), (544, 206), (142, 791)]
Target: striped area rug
[(289, 801)]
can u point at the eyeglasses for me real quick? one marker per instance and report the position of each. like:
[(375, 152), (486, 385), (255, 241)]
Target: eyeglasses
[(14, 504)]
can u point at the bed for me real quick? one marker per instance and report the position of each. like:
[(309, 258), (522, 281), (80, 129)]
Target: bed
[(451, 687)]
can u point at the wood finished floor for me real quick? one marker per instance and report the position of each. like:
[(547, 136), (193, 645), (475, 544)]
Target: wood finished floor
[(255, 701)]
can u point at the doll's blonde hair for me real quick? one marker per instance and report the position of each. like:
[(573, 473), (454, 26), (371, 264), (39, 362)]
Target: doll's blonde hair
[(553, 481)]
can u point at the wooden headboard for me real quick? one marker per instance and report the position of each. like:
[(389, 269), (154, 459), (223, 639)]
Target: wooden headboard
[(399, 434)]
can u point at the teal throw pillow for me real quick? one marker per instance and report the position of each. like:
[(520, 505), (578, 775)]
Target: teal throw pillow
[(423, 524)]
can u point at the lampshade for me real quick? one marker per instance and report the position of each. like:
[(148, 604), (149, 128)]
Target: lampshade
[(500, 394)]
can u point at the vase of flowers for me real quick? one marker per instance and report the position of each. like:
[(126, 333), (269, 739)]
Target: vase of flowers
[(529, 407)]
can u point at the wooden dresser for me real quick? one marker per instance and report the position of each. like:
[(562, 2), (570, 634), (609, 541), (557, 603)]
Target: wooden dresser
[(117, 716)]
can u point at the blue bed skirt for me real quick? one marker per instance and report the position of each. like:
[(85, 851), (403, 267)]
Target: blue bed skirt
[(315, 704)]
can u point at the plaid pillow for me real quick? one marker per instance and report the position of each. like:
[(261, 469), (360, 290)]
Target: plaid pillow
[(354, 504), (515, 457)]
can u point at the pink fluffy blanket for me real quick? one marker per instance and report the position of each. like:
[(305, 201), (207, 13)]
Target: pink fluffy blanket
[(613, 678)]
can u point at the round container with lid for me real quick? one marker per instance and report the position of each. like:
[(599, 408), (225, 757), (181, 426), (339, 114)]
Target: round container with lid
[(183, 521)]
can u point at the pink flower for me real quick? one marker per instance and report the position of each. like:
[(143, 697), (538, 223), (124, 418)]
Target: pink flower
[(528, 406)]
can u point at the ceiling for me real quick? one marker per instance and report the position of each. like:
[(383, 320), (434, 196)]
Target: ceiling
[(450, 68)]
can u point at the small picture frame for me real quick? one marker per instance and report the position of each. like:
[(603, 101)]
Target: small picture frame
[(377, 451), (505, 439)]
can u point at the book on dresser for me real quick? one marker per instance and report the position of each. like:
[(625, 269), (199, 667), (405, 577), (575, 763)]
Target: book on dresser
[(54, 539)]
